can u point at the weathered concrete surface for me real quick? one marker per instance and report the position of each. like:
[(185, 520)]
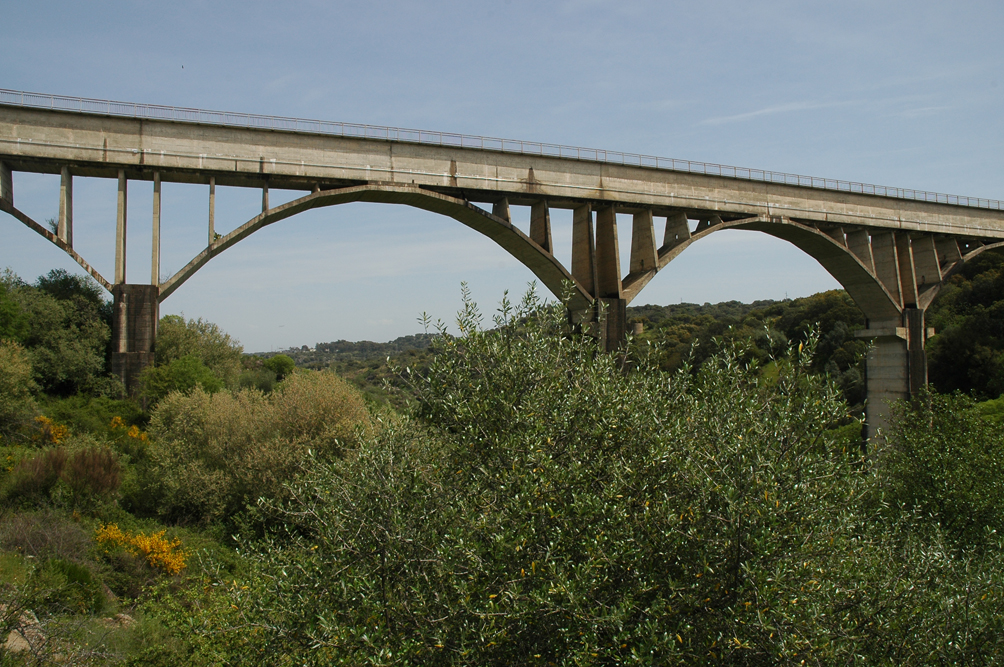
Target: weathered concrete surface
[(94, 145), (136, 312)]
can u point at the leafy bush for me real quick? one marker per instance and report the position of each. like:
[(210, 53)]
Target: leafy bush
[(943, 460), (80, 592), (562, 510), (178, 338), (213, 453), (180, 375), (281, 364), (16, 388)]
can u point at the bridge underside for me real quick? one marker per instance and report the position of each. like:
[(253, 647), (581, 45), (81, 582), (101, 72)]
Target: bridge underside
[(891, 255)]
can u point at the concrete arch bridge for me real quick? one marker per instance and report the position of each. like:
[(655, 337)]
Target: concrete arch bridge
[(890, 248)]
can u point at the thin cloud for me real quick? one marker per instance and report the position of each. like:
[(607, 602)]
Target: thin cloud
[(770, 111)]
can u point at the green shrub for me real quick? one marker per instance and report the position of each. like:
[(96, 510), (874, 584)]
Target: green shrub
[(213, 453), (943, 460), (281, 364), (562, 510), (178, 338), (17, 406), (79, 591), (178, 375)]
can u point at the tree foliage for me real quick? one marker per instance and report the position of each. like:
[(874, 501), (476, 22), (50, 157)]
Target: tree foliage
[(552, 506)]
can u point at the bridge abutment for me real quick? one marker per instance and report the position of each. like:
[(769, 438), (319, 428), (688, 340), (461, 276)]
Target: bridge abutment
[(136, 311)]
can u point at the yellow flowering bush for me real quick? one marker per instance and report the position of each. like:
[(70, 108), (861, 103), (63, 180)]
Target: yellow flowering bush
[(118, 427), (159, 552), (49, 432)]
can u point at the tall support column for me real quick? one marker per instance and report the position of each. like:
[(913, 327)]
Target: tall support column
[(155, 255), (264, 197), (134, 331), (583, 249), (540, 226), (212, 209), (886, 375), (608, 257), (120, 232), (896, 366), (6, 184), (609, 289), (64, 230)]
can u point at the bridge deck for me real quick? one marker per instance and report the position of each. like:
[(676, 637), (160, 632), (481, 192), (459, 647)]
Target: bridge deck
[(100, 145)]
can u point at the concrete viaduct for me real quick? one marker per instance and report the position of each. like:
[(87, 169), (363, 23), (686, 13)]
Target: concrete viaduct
[(890, 248)]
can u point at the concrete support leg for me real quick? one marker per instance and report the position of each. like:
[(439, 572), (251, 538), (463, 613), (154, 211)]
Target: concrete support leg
[(134, 331), (608, 257), (583, 248), (896, 367), (6, 184), (212, 209), (540, 226), (65, 229), (612, 323), (155, 255), (120, 232), (887, 379)]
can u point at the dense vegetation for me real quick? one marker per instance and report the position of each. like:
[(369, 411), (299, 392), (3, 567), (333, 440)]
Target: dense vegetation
[(539, 502)]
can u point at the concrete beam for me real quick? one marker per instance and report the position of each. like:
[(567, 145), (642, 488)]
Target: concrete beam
[(540, 226), (584, 249), (120, 232), (608, 258), (65, 226), (644, 255)]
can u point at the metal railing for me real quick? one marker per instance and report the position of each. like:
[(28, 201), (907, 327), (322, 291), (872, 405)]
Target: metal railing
[(182, 114)]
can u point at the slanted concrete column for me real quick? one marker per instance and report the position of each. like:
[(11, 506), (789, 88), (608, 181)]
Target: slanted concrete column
[(6, 184), (134, 331)]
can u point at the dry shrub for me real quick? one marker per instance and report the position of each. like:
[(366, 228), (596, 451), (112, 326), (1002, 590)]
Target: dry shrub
[(43, 534), (92, 472), (214, 453), (33, 479)]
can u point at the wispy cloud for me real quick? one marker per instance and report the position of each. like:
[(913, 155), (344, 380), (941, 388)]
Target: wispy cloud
[(777, 109)]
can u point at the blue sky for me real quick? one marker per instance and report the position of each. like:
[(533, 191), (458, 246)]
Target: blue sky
[(895, 93)]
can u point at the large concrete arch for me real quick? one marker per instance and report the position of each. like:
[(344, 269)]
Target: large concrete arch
[(871, 296), (542, 263)]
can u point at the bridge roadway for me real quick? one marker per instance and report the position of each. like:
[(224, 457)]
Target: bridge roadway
[(891, 249)]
